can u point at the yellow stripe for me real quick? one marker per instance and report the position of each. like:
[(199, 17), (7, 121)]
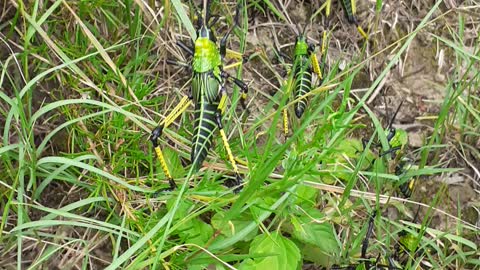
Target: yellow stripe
[(163, 164), (229, 151), (239, 161), (285, 122), (411, 184), (324, 43), (354, 6), (234, 54)]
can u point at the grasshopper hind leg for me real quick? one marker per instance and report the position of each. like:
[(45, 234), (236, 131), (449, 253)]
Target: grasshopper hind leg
[(158, 131)]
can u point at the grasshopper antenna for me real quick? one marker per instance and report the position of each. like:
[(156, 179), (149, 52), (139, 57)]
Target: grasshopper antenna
[(386, 107), (206, 6), (395, 115)]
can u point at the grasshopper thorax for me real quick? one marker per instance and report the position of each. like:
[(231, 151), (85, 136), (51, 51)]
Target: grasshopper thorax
[(301, 46), (206, 55), (397, 138)]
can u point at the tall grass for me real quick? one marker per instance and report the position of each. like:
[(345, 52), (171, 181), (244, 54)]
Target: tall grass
[(84, 83)]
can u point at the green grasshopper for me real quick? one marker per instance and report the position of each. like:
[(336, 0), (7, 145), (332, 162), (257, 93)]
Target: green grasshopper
[(208, 94), (398, 162), (398, 141), (366, 262), (304, 63), (350, 9)]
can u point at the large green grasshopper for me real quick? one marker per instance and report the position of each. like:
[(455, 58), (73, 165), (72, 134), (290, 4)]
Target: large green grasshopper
[(208, 94)]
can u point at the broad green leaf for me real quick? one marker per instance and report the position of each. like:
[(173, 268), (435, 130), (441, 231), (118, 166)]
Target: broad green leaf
[(182, 210), (311, 232), (174, 163), (273, 252), (231, 227), (195, 232)]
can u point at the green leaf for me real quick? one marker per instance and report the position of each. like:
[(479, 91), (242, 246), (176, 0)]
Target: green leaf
[(310, 231), (184, 18), (195, 232), (174, 163), (231, 227), (306, 196), (346, 155), (183, 209), (273, 252)]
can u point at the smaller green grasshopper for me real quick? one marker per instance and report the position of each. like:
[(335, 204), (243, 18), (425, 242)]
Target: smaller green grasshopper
[(408, 243), (304, 63), (398, 162), (398, 141)]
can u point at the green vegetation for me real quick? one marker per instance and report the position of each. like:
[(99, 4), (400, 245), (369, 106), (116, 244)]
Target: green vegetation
[(83, 84)]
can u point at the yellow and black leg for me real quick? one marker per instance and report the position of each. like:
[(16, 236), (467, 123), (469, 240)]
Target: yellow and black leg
[(157, 133), (314, 61), (350, 7), (285, 122), (287, 86), (231, 158), (281, 57)]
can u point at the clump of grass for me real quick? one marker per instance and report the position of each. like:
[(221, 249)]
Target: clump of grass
[(84, 83)]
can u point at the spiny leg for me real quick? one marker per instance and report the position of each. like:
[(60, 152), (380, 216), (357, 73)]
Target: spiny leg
[(314, 61), (218, 117), (157, 133), (243, 86), (369, 233), (185, 47), (350, 7)]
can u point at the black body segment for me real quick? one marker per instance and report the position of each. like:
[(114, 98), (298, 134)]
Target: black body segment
[(303, 85), (204, 128), (205, 89)]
